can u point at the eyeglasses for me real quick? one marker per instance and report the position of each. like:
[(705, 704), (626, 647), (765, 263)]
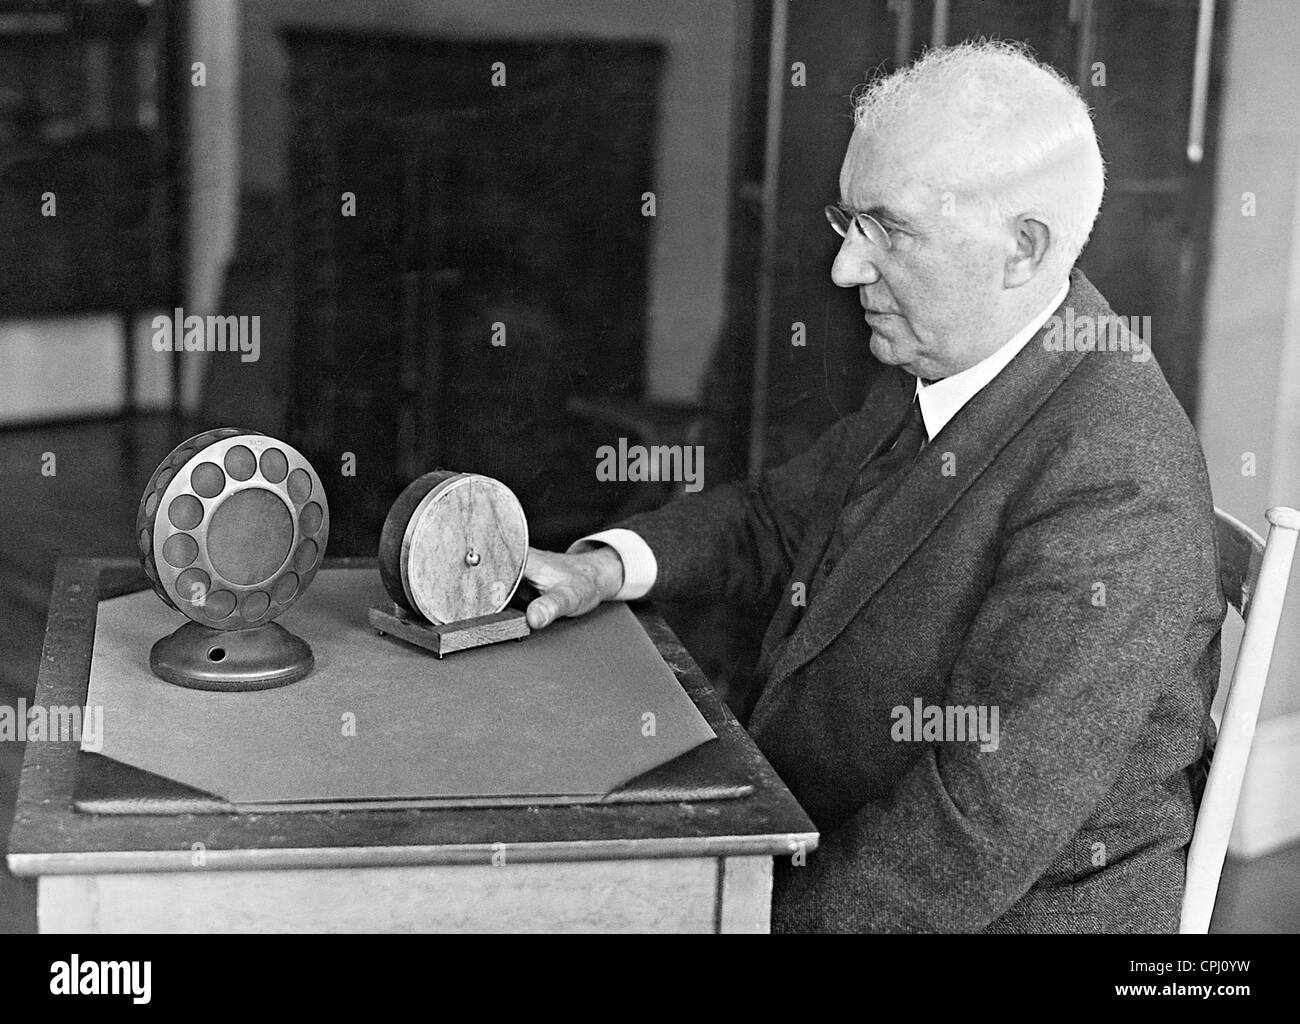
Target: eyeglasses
[(842, 219)]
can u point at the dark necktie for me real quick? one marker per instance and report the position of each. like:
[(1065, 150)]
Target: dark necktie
[(908, 442)]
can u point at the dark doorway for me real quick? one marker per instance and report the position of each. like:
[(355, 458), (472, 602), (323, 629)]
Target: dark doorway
[(495, 265)]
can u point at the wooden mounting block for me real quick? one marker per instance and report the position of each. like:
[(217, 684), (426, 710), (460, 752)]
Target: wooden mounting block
[(452, 636)]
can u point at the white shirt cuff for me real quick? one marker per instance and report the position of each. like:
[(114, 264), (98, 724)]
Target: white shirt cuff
[(639, 566)]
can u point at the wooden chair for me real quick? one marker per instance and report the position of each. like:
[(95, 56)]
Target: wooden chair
[(1254, 576)]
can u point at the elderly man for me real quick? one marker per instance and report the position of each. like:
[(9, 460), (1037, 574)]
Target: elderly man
[(994, 698)]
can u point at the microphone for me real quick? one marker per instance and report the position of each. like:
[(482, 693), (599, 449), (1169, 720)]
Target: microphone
[(232, 529)]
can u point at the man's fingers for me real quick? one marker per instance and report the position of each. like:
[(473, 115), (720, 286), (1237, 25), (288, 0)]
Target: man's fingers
[(538, 567), (554, 604), (541, 612), (559, 601), (568, 586)]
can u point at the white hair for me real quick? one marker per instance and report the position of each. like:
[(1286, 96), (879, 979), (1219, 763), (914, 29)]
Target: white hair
[(1022, 141)]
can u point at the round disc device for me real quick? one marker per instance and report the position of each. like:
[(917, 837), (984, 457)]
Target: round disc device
[(232, 528), (453, 546)]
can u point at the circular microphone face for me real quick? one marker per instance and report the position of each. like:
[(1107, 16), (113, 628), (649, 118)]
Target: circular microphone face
[(453, 546), (232, 528)]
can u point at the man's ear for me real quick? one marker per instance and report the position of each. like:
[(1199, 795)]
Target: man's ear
[(1032, 238)]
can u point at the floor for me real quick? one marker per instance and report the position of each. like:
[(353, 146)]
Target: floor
[(87, 507), (1262, 895)]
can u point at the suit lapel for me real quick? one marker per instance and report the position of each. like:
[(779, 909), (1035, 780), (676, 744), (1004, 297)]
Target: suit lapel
[(969, 443), (867, 432)]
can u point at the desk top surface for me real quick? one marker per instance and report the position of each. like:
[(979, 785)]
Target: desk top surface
[(50, 837)]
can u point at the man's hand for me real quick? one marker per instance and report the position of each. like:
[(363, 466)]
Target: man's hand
[(571, 585)]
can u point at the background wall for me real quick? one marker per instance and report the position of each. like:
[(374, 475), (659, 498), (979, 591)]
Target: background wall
[(1250, 369), (688, 259), (215, 152), (72, 366)]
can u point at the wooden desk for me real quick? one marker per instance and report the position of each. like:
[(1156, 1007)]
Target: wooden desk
[(689, 867)]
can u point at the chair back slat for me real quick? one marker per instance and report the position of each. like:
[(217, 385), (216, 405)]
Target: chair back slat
[(1241, 552), (1254, 575)]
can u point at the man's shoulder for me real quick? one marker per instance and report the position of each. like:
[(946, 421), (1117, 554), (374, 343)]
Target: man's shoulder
[(1116, 397)]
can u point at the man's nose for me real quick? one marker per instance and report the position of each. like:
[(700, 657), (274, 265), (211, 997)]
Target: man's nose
[(853, 264)]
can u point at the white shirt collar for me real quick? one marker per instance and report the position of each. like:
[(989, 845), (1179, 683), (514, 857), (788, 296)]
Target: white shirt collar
[(943, 399)]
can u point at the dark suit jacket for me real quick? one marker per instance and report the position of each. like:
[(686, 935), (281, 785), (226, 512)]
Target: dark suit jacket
[(979, 582)]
